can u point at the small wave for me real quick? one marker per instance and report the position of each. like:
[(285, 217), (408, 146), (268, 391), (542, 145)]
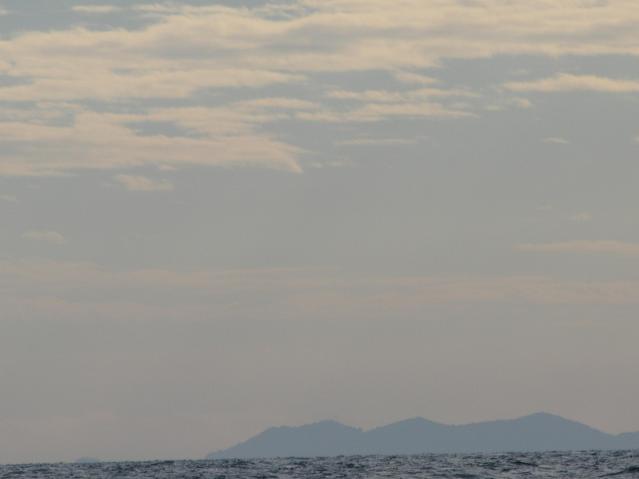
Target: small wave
[(634, 470)]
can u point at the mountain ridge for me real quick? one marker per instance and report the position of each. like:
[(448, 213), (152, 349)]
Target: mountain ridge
[(534, 432)]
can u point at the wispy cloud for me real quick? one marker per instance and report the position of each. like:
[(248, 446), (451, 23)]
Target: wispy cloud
[(44, 236), (413, 78), (142, 183), (524, 103), (377, 142), (8, 198), (582, 217), (96, 9), (555, 140), (583, 246), (568, 82), (73, 290), (386, 96), (508, 103), (375, 112)]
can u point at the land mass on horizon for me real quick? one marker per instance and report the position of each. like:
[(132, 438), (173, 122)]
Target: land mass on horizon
[(536, 432)]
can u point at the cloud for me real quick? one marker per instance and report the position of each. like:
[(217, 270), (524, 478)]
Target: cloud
[(183, 51), (74, 290), (413, 78), (583, 246), (566, 82), (516, 102), (583, 217), (379, 105), (524, 103), (95, 9), (278, 103), (206, 45), (377, 142), (44, 236), (555, 140), (8, 198), (142, 183), (386, 96), (104, 141), (374, 112)]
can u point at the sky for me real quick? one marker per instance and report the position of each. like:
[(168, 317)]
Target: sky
[(220, 216)]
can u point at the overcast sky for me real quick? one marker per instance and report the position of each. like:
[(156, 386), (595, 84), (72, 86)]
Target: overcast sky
[(218, 216)]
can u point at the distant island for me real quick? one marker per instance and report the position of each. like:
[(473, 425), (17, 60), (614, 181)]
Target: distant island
[(536, 432)]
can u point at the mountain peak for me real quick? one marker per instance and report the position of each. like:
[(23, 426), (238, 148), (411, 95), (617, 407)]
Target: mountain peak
[(414, 422), (545, 415)]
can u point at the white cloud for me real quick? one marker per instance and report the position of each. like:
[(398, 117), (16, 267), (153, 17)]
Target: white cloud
[(555, 140), (583, 246), (567, 82), (52, 237), (142, 183)]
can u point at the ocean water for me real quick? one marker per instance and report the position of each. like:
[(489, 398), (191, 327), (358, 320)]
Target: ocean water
[(615, 464)]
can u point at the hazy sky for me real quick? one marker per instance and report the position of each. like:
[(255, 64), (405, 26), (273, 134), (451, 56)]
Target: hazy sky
[(222, 216)]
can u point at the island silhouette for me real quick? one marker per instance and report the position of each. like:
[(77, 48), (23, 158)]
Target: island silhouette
[(535, 432)]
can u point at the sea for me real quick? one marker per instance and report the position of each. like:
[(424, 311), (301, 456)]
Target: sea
[(592, 464)]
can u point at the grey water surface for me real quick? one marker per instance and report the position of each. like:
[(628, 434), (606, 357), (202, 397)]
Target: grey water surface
[(594, 464)]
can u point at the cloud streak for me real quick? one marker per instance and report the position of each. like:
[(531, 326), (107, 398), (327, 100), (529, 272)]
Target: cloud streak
[(142, 183), (566, 82), (8, 198), (74, 290), (44, 236), (583, 246), (95, 9)]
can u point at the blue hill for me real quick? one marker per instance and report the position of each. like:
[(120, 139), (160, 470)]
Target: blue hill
[(536, 432)]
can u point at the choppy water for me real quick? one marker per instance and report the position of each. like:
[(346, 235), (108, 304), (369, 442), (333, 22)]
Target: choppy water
[(616, 464)]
